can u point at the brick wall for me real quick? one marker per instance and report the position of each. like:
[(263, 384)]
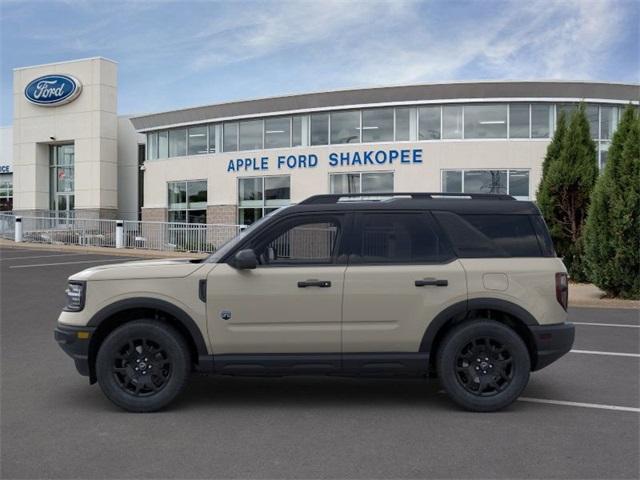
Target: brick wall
[(223, 214), (154, 214)]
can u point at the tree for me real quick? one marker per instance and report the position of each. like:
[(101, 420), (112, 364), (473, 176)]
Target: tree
[(612, 233), (565, 191)]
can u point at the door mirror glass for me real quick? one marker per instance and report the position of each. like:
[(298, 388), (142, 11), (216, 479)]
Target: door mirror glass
[(245, 260)]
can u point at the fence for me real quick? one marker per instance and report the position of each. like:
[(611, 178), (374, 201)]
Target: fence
[(161, 236)]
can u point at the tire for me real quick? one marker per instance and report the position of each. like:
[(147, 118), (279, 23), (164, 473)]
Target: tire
[(483, 365), (126, 361)]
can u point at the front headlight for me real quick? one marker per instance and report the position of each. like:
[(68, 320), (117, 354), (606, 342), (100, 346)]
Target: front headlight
[(75, 296)]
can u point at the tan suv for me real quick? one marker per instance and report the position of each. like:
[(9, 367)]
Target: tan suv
[(464, 287)]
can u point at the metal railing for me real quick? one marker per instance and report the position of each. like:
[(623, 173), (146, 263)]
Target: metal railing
[(69, 231), (162, 236), (7, 226)]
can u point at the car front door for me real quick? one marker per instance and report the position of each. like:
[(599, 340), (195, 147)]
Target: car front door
[(291, 302), (400, 276)]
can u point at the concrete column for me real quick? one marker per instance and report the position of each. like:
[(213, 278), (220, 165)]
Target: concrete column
[(18, 230)]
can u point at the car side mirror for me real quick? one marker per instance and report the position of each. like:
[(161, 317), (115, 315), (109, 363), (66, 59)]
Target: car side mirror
[(245, 260)]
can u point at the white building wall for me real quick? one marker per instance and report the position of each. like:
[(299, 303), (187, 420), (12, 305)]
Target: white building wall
[(128, 169), (90, 122)]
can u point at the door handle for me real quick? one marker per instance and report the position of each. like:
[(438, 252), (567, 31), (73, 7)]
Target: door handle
[(314, 283), (432, 282)]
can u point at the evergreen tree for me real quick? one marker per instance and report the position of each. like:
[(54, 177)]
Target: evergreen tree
[(555, 147), (612, 233), (565, 192)]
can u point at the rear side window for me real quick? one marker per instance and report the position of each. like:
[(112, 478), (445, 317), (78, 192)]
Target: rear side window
[(491, 235), (399, 238)]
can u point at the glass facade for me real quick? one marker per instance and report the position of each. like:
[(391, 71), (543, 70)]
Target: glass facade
[(384, 124), (258, 196), (361, 182), (187, 201), (6, 191), (509, 182), (62, 179)]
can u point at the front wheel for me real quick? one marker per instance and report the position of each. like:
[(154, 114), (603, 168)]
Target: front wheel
[(143, 365), (483, 365)]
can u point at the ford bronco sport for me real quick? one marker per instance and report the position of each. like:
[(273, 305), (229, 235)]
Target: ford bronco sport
[(463, 287)]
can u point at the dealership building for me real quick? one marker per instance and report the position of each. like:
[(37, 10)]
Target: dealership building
[(70, 152)]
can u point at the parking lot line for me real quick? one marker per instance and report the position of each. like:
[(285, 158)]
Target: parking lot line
[(79, 261), (615, 354), (579, 404), (606, 324), (41, 256)]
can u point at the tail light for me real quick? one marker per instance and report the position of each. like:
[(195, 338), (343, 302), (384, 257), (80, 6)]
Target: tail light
[(562, 289)]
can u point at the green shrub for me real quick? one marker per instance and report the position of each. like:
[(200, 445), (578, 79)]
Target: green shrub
[(565, 189), (612, 233)]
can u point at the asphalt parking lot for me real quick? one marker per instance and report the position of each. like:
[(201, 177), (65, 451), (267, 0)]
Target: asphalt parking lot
[(579, 418)]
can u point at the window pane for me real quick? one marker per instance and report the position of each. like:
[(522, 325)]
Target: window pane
[(519, 120), (377, 125), (514, 234), (604, 152), (177, 216), (250, 191), (345, 183), (304, 243), (197, 140), (178, 142), (177, 195), (320, 129), (152, 146), (429, 123), (485, 181), (246, 216), (399, 238), (377, 182), (519, 183), (230, 137), (197, 193), (452, 121), (163, 144), (541, 120), (296, 131), (568, 109), (403, 124), (592, 117), (212, 138), (197, 216), (608, 122), (485, 121), (251, 135), (277, 191), (277, 132), (345, 127), (452, 181)]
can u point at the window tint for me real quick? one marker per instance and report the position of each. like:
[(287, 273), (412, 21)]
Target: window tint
[(403, 124), (320, 129), (277, 132), (230, 137), (399, 238), (377, 125), (485, 121), (345, 127), (452, 121), (306, 241), (178, 142), (519, 120), (541, 120), (489, 235), (197, 140), (251, 135)]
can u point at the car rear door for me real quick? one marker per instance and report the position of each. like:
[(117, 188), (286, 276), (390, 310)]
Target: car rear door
[(401, 274)]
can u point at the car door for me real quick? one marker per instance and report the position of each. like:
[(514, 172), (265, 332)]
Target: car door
[(401, 274), (291, 303)]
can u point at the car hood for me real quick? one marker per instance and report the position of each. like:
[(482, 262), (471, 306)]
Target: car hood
[(165, 268)]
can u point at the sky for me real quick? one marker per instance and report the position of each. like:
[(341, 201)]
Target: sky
[(176, 54)]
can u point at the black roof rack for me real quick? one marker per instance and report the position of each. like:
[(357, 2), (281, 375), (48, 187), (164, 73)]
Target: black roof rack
[(372, 197)]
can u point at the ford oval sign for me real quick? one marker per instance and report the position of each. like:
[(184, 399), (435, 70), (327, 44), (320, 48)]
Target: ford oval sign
[(53, 90)]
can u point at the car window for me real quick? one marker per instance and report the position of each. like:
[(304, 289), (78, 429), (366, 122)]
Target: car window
[(301, 242), (399, 238)]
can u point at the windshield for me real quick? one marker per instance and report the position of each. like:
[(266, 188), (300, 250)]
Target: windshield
[(231, 244)]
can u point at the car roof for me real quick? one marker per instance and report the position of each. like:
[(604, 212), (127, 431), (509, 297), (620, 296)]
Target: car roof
[(457, 203)]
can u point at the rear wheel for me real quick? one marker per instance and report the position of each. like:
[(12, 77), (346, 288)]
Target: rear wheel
[(143, 365), (483, 365)]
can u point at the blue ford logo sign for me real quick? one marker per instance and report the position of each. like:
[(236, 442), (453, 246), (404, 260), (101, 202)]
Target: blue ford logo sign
[(53, 90)]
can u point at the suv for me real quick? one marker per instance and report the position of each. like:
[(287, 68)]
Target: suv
[(463, 287)]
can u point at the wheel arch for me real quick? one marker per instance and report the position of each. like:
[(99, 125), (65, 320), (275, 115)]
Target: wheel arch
[(124, 311), (503, 311)]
